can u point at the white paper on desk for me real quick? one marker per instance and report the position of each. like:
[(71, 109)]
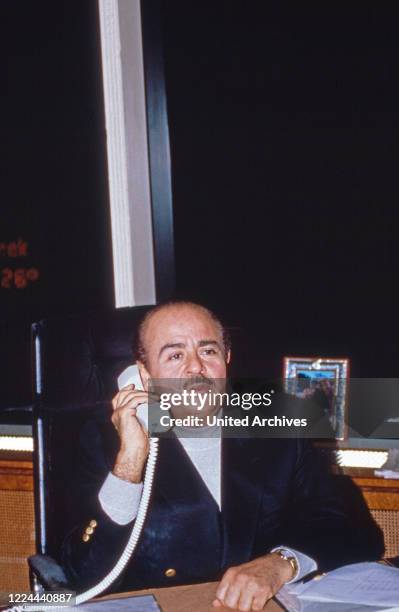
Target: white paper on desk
[(140, 603), (368, 584), (294, 604)]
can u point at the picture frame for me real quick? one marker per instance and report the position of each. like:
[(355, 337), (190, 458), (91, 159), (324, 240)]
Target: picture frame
[(325, 380)]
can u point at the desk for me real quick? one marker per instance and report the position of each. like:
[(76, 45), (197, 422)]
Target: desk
[(196, 597)]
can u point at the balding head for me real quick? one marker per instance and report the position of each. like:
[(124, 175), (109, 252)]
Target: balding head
[(167, 322)]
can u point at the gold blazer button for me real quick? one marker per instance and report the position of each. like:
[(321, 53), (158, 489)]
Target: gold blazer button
[(170, 572), (93, 523), (85, 537), (89, 530)]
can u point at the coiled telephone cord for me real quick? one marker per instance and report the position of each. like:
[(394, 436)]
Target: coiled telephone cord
[(129, 548)]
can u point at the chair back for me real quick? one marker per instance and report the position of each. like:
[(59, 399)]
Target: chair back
[(77, 360)]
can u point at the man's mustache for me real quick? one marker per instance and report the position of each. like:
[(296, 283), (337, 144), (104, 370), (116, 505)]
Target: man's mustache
[(196, 381)]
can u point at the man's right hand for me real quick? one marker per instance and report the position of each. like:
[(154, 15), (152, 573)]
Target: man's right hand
[(133, 436)]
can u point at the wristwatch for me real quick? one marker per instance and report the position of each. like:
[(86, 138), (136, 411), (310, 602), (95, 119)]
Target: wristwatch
[(287, 556)]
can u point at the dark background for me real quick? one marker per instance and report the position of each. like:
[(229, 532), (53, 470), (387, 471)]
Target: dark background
[(284, 140), (54, 184), (284, 129)]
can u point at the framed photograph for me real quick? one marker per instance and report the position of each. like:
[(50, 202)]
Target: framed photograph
[(325, 381)]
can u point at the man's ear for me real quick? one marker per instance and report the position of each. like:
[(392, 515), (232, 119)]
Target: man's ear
[(144, 374)]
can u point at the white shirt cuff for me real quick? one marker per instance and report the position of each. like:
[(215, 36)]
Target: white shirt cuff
[(120, 499), (306, 564)]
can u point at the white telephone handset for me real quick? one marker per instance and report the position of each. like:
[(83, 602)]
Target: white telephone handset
[(131, 376)]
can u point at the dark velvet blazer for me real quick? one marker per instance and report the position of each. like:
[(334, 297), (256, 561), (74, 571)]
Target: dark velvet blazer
[(274, 492)]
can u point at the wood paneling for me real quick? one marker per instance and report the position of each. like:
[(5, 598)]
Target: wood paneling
[(16, 475), (17, 527)]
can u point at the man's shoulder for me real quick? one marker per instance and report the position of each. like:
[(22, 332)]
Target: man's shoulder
[(270, 448)]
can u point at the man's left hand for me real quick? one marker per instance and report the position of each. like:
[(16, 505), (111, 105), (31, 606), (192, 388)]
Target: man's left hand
[(250, 585)]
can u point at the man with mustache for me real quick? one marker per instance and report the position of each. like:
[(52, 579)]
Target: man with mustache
[(251, 513)]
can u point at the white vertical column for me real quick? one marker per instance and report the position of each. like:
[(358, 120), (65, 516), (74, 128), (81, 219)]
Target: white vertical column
[(127, 152)]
